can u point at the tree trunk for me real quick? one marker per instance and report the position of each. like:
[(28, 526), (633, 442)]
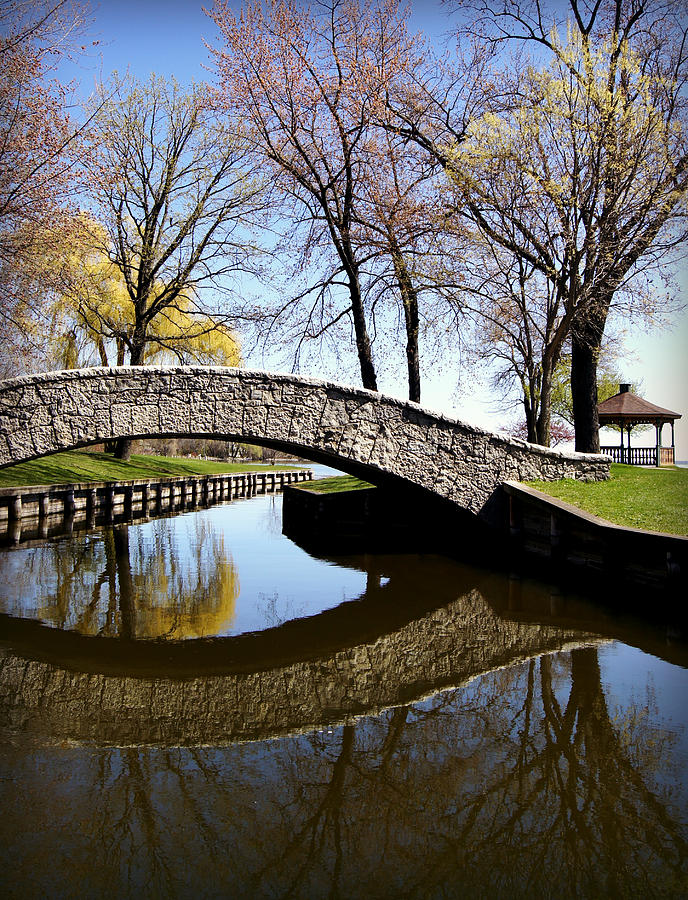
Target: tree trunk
[(102, 352), (126, 584), (529, 398), (542, 428), (584, 396), (125, 445), (365, 355), (530, 421), (409, 298), (123, 449), (544, 419), (586, 340)]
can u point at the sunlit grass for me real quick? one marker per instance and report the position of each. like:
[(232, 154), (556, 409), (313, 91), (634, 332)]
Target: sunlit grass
[(80, 466), (653, 499), (336, 484)]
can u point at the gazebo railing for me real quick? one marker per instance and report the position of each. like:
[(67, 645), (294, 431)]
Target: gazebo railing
[(640, 456), (666, 456)]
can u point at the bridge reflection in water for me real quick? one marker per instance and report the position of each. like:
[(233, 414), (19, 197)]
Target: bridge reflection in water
[(449, 732)]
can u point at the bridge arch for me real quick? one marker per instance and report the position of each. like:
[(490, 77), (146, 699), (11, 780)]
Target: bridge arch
[(61, 686), (358, 431)]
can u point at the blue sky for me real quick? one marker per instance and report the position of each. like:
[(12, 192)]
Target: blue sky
[(167, 37)]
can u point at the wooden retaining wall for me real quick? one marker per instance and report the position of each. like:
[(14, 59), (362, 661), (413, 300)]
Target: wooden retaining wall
[(562, 539), (540, 534), (378, 519), (37, 503)]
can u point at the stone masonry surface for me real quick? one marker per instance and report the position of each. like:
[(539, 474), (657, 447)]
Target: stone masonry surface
[(445, 648), (352, 429)]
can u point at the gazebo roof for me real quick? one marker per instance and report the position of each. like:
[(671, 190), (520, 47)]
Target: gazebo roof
[(627, 408)]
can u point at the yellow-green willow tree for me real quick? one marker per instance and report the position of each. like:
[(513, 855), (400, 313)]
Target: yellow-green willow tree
[(123, 589), (93, 315)]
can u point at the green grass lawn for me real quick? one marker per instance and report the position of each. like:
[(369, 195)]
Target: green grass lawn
[(77, 466), (335, 485), (653, 499)]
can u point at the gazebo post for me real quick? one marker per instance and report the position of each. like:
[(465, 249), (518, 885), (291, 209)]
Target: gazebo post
[(658, 430), (621, 458), (629, 455), (673, 445)]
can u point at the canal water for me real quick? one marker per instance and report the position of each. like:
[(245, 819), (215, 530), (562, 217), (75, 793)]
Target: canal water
[(194, 706)]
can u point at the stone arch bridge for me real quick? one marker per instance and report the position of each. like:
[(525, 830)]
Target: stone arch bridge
[(376, 437)]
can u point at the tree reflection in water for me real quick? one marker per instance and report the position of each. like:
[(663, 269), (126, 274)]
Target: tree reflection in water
[(111, 585), (526, 782)]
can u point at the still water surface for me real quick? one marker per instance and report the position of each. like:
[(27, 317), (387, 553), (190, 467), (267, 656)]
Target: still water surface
[(196, 707)]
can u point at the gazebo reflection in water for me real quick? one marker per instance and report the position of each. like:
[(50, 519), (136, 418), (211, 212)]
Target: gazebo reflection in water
[(625, 410)]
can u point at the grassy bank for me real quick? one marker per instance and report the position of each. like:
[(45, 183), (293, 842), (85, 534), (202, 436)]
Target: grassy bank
[(79, 466), (653, 499), (336, 484)]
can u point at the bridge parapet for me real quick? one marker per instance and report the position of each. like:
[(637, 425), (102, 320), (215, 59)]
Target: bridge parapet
[(356, 430)]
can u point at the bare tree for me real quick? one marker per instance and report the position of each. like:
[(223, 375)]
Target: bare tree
[(520, 329), (38, 170), (295, 76), (402, 233), (172, 187)]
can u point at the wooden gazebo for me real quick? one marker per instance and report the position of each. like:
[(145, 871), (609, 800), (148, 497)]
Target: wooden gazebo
[(626, 410)]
